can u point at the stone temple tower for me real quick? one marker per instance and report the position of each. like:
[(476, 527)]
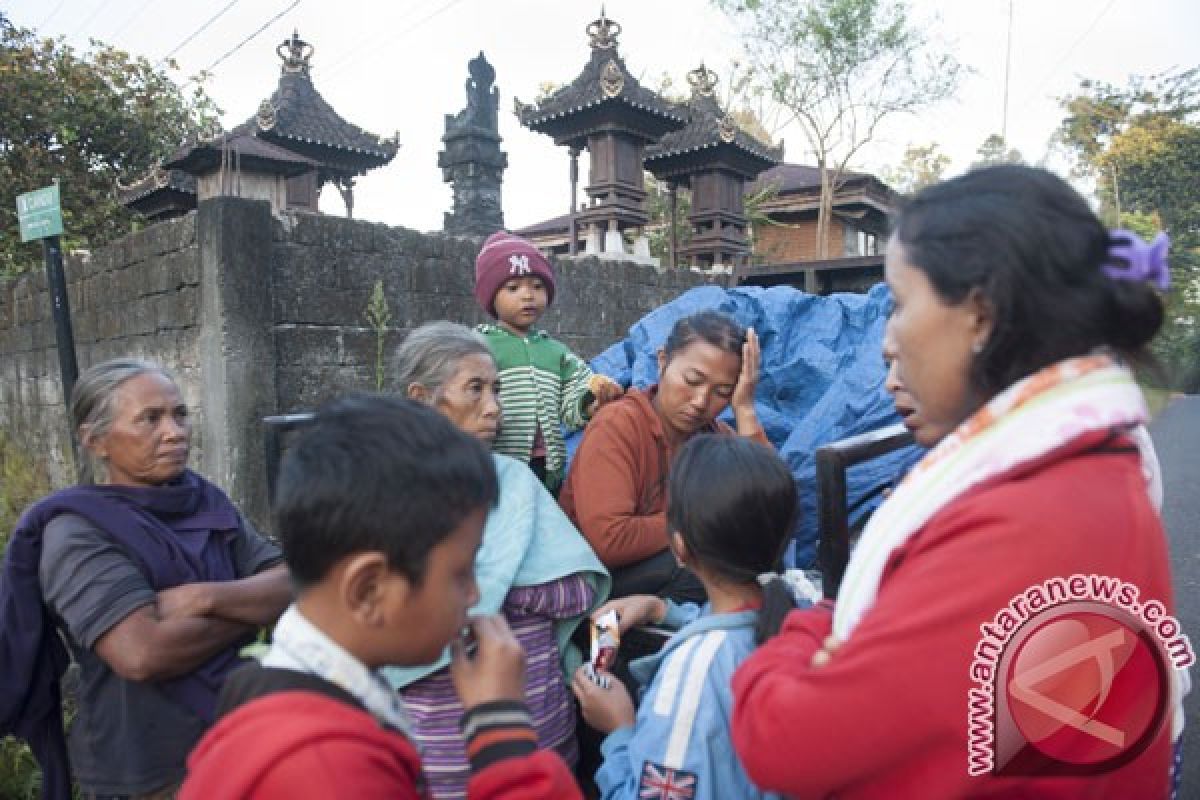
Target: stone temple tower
[(472, 161)]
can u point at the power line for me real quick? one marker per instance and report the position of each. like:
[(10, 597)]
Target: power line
[(52, 14), (444, 7), (198, 31), (247, 40), (91, 17), (370, 41), (1050, 75), (115, 36)]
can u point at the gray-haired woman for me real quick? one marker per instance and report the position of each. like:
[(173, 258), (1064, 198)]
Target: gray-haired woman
[(533, 565), (155, 581)]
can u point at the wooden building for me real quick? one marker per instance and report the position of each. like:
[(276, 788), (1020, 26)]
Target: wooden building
[(861, 205), (241, 165)]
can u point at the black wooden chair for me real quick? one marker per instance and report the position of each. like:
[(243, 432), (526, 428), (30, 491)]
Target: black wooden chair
[(277, 432), (833, 510)]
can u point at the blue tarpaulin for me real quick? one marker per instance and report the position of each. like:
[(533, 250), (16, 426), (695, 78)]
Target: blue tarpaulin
[(821, 380)]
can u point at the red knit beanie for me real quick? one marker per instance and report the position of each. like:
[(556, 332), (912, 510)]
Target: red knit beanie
[(504, 257)]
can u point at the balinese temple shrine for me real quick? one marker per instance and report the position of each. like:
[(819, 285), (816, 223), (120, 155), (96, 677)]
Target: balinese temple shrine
[(606, 111), (297, 118), (294, 120), (714, 158)]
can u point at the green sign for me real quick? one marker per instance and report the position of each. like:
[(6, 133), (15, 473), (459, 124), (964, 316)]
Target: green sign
[(39, 213)]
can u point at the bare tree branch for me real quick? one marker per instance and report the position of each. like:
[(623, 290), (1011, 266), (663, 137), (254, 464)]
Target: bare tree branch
[(841, 68)]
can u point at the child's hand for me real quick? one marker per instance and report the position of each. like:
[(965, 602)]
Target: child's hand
[(604, 389), (825, 654), (603, 709), (634, 610), (496, 671)]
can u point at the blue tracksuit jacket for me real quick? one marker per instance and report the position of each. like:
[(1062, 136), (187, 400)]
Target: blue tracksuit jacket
[(679, 748)]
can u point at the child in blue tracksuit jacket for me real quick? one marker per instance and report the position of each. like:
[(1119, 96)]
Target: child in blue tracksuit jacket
[(732, 504)]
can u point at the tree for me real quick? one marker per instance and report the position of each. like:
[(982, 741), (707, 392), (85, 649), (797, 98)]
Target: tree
[(921, 166), (1142, 126), (658, 208), (1141, 145), (839, 68), (995, 150), (85, 120)]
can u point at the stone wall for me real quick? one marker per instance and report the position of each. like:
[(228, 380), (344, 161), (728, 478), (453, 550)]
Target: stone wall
[(139, 297), (259, 315), (325, 268)]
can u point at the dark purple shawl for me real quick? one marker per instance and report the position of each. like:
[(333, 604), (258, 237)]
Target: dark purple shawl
[(177, 533)]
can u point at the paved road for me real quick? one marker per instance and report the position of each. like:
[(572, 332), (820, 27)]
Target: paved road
[(1176, 433)]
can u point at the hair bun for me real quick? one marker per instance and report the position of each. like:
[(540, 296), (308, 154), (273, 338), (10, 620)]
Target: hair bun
[(1138, 314)]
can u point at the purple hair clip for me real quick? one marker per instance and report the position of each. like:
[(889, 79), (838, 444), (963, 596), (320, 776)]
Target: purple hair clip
[(1135, 260)]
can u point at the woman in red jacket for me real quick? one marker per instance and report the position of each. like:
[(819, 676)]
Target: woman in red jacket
[(999, 630)]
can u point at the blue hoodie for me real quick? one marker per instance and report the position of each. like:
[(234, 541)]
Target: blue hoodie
[(679, 747)]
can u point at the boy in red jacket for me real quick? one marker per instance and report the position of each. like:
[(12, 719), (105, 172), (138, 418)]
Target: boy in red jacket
[(380, 508)]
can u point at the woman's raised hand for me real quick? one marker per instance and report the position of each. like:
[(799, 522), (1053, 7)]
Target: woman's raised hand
[(742, 401)]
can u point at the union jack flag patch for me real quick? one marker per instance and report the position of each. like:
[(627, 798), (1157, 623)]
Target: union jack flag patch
[(662, 783)]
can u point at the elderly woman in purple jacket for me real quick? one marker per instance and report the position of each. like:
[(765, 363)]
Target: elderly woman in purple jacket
[(154, 581)]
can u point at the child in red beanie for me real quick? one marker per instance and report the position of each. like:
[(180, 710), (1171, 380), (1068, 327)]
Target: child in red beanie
[(543, 385)]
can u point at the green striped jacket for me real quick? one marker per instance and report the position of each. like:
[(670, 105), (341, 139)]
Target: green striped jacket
[(541, 383)]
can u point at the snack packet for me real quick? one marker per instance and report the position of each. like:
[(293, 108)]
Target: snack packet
[(603, 681), (606, 638), (469, 642)]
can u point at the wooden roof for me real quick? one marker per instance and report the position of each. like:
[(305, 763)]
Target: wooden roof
[(605, 95), (160, 193), (298, 118), (710, 139), (250, 152)]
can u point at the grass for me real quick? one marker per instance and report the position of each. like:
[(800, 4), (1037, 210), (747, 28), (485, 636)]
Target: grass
[(20, 778), (23, 479)]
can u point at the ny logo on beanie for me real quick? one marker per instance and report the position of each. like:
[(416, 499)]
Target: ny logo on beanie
[(519, 264)]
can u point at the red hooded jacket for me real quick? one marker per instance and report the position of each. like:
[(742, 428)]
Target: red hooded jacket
[(887, 716), (300, 744)]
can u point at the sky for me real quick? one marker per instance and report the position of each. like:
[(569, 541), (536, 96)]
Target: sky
[(400, 66)]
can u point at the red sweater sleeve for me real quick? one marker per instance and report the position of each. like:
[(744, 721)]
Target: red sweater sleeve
[(607, 485), (540, 776)]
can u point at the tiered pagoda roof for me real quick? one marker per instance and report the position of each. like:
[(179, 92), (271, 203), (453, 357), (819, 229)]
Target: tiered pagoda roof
[(604, 96), (297, 118), (711, 139), (249, 151), (160, 193)]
